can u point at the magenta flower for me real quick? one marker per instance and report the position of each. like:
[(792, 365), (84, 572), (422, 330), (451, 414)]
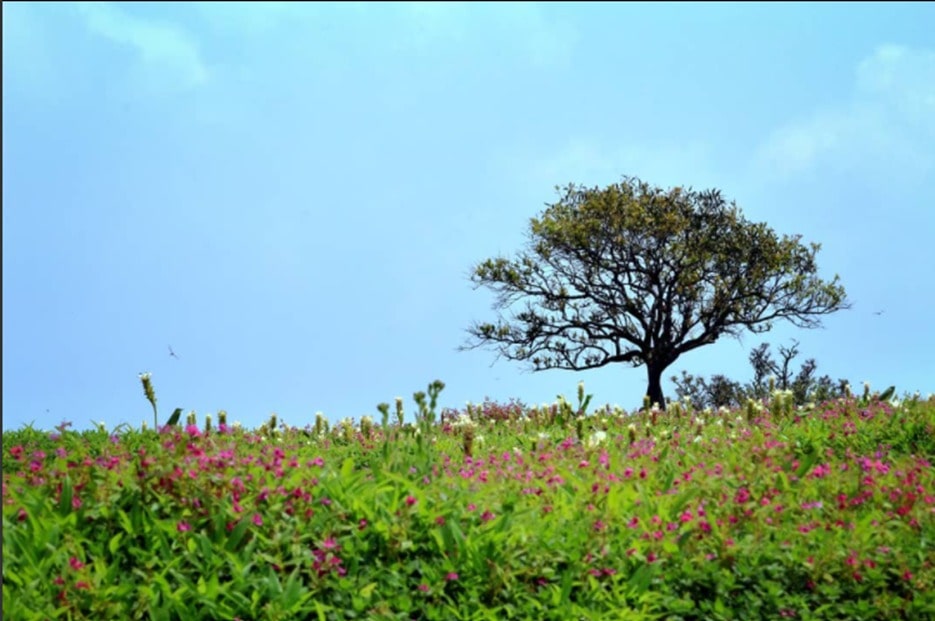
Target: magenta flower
[(411, 500), (183, 527), (258, 519), (75, 563), (486, 516), (451, 576), (424, 588)]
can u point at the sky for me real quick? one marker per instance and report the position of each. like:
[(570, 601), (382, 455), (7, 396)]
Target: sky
[(291, 196)]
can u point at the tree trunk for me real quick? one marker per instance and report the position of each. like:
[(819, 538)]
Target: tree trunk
[(654, 390)]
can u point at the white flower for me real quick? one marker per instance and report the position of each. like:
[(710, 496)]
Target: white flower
[(596, 438)]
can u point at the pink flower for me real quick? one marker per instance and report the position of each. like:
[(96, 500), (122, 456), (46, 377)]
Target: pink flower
[(451, 576), (183, 527), (258, 519), (410, 500), (820, 471), (424, 588), (75, 563), (486, 516), (440, 520)]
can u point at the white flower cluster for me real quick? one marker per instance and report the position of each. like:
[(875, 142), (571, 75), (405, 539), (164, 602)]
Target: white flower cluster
[(596, 439), (464, 420)]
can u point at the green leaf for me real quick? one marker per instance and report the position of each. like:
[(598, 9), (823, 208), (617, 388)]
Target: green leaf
[(64, 503), (641, 578), (114, 544), (174, 419), (237, 535), (293, 597), (805, 466), (347, 468)]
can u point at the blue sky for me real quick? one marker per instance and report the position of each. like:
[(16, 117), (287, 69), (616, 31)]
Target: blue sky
[(291, 196)]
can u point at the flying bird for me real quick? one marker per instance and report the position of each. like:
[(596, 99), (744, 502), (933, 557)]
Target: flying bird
[(172, 353), (878, 313)]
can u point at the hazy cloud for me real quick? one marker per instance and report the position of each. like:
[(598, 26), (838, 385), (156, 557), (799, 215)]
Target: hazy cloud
[(523, 27), (888, 124), (170, 57)]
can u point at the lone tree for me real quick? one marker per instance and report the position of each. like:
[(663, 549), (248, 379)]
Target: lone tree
[(641, 275)]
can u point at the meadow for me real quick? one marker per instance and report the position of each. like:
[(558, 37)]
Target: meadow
[(494, 511)]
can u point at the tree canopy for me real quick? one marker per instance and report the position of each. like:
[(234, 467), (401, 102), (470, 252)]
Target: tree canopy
[(636, 274)]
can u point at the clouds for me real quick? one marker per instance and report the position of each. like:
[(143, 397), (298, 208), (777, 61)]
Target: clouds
[(887, 126), (523, 29), (166, 56)]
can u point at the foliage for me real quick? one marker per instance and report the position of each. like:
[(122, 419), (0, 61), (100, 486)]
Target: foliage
[(553, 512), (640, 275), (768, 375)]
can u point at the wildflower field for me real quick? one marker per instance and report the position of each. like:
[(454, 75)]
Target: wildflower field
[(498, 511)]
